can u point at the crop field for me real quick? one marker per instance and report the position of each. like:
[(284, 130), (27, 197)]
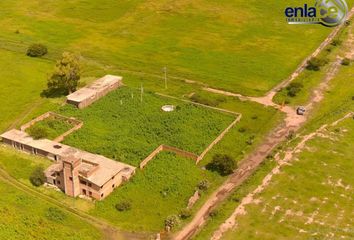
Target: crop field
[(314, 203), (25, 217), (166, 184), (225, 44), (122, 127)]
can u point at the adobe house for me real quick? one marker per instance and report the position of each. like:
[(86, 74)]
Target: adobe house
[(75, 172), (91, 93)]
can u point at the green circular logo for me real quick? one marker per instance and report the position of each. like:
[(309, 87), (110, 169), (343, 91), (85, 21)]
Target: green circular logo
[(332, 12)]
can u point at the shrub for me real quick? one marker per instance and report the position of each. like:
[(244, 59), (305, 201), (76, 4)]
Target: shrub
[(223, 164), (345, 62), (254, 117), (242, 129), (38, 132), (213, 213), (203, 185), (185, 213), (123, 206), (55, 214), (294, 88), (336, 42), (37, 50), (37, 177), (171, 221), (315, 63)]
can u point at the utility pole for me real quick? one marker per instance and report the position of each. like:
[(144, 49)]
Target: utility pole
[(165, 72)]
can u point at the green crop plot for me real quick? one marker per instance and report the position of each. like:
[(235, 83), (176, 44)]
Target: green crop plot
[(243, 46), (122, 127)]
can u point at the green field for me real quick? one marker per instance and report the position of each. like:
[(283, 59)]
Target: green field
[(25, 217), (122, 127), (314, 195), (226, 44), (161, 189)]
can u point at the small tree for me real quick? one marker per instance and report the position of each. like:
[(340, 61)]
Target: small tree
[(37, 50), (66, 74), (222, 163), (203, 185), (185, 213), (38, 132), (294, 88), (37, 177), (346, 62), (315, 63), (123, 206)]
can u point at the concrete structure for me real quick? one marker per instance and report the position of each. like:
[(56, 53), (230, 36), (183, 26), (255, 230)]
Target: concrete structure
[(91, 93), (75, 172)]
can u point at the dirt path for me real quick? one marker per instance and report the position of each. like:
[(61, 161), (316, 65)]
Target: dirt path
[(291, 123), (108, 231), (231, 222)]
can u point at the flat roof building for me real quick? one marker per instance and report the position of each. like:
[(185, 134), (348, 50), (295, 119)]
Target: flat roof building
[(91, 93), (75, 172)]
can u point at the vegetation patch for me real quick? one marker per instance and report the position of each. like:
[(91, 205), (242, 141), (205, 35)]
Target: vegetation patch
[(122, 127), (162, 189), (49, 128)]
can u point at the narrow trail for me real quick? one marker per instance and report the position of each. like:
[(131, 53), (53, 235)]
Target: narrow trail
[(291, 123), (109, 231), (231, 222)]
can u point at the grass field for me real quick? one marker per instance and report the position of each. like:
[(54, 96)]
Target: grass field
[(226, 44), (161, 189), (314, 195), (122, 127), (25, 217)]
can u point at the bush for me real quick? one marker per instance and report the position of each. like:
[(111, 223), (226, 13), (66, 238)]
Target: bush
[(315, 63), (185, 213), (242, 129), (37, 50), (37, 177), (294, 88), (123, 206), (336, 42), (171, 221), (223, 164), (55, 214), (213, 213), (38, 132), (203, 185), (346, 62)]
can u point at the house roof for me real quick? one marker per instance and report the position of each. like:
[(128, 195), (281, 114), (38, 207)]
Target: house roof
[(94, 88), (107, 168)]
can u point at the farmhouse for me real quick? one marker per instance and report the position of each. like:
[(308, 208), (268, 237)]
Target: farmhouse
[(91, 93), (75, 172)]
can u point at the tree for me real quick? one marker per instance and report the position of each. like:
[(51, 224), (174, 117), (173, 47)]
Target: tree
[(123, 206), (66, 75), (37, 50), (294, 88), (346, 61), (37, 177), (38, 132), (315, 63), (222, 163)]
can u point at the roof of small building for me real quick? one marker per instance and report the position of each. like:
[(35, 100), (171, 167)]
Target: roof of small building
[(107, 168), (95, 87)]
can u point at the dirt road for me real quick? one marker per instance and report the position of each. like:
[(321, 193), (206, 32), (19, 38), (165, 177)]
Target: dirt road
[(247, 167)]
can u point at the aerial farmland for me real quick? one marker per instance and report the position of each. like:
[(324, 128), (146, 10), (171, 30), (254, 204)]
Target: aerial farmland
[(134, 119)]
